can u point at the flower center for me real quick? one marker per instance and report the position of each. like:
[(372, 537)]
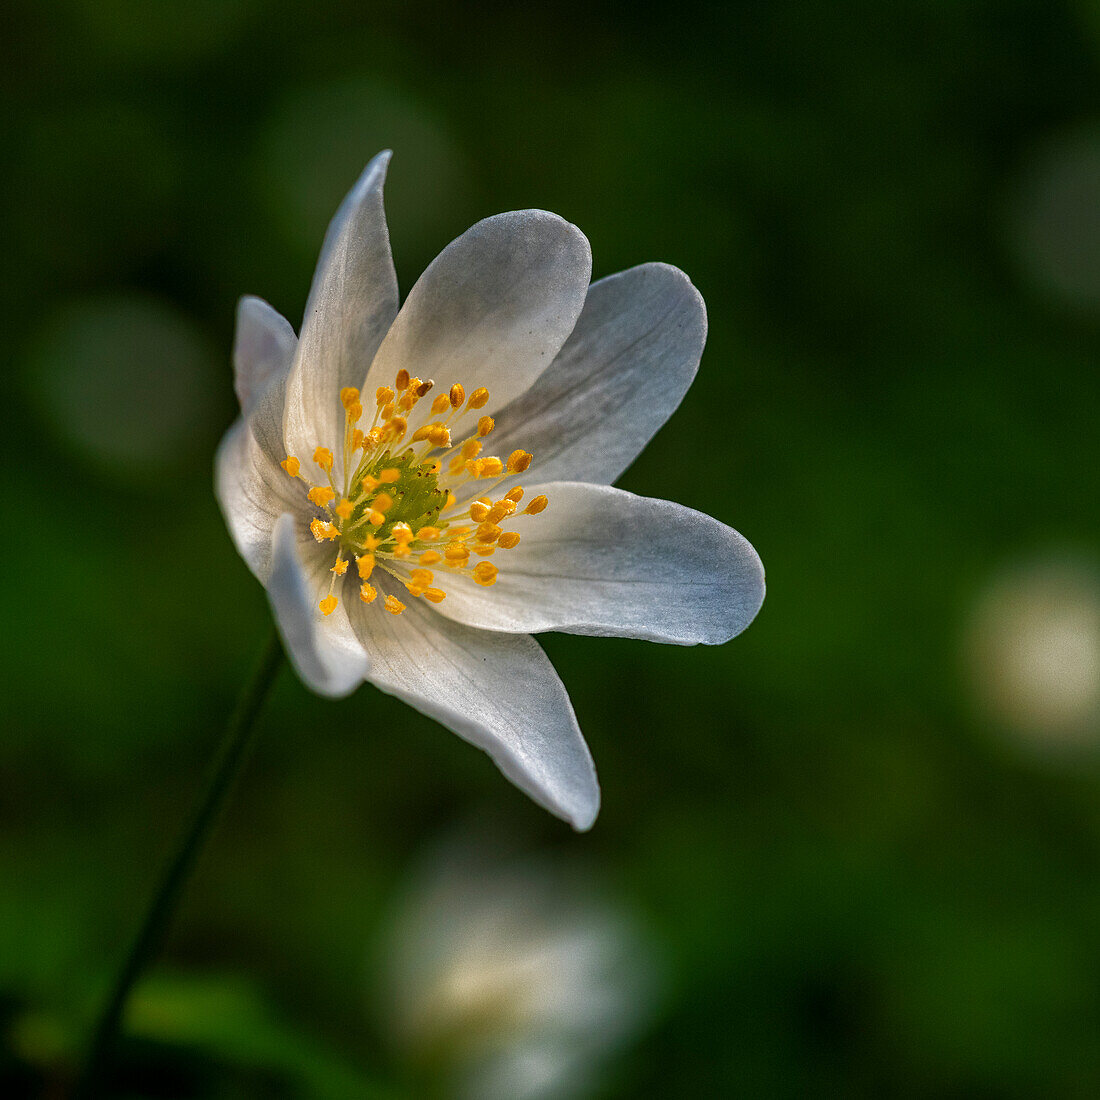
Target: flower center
[(407, 499)]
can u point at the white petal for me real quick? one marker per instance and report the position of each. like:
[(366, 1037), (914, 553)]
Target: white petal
[(493, 308), (497, 691), (253, 493), (352, 303), (603, 561), (322, 648), (263, 349), (624, 369)]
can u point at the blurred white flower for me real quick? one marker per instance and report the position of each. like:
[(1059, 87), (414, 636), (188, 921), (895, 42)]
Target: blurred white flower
[(356, 488), (512, 982), (1034, 652)]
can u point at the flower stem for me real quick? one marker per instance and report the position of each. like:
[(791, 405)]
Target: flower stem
[(232, 754)]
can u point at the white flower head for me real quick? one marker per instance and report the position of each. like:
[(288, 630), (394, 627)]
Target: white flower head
[(511, 978), (421, 489)]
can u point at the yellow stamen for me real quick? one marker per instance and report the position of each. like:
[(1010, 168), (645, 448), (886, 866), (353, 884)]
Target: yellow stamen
[(383, 502), (508, 540), (371, 542), (430, 557), (367, 593), (341, 567), (323, 457), (344, 508), (479, 511), (402, 380), (537, 505), (499, 511), (320, 495), (514, 495), (394, 606), (436, 595), (479, 398), (485, 425), (424, 387), (365, 564), (389, 475), (383, 395), (355, 412), (348, 396), (291, 465), (456, 396), (322, 530), (328, 605), (488, 532), (518, 461), (485, 573), (441, 404)]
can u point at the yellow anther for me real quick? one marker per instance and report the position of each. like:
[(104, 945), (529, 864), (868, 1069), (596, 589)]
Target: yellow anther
[(518, 461), (440, 404), (373, 438), (509, 540), (488, 532), (368, 593), (394, 428), (422, 578), (388, 410), (376, 518), (365, 564), (322, 530), (538, 504), (357, 439), (490, 467), (428, 534), (348, 396), (430, 557), (514, 495), (291, 465), (402, 532), (479, 398), (456, 551), (457, 395), (382, 503), (323, 457), (344, 508), (499, 512), (371, 542), (456, 464), (485, 573), (355, 411), (320, 495), (479, 512), (328, 605), (460, 532), (422, 433), (424, 387), (402, 380), (406, 401), (340, 568), (470, 449), (383, 395), (394, 606), (436, 595), (389, 475), (485, 425), (451, 501), (485, 551), (441, 436)]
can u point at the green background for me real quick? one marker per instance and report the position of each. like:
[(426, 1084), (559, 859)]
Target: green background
[(851, 880)]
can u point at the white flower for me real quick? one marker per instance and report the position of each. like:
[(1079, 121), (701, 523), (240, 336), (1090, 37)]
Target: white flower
[(511, 979), (358, 487)]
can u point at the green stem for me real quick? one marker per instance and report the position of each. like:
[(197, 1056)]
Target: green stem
[(147, 943)]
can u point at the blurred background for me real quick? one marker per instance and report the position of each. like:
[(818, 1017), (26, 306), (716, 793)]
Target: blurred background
[(856, 850)]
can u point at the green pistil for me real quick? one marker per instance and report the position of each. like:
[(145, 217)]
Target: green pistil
[(417, 499)]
